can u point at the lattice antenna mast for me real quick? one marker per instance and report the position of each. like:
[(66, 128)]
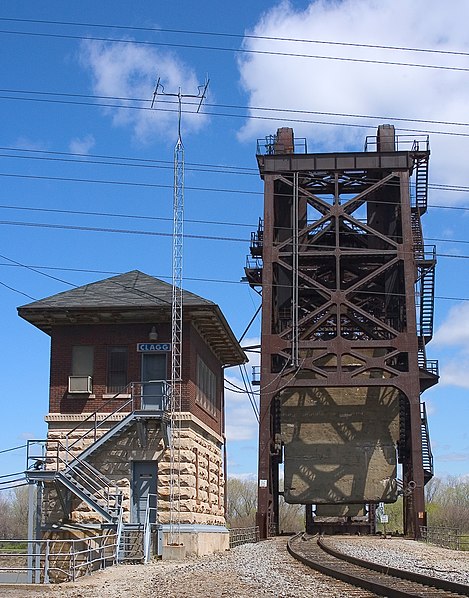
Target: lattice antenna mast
[(176, 313)]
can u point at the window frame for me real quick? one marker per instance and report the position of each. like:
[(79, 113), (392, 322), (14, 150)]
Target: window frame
[(114, 385), (206, 388)]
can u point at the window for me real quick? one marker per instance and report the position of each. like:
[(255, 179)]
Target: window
[(206, 395), (117, 369), (82, 360)]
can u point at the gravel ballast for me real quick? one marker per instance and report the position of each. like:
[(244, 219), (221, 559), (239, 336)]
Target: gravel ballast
[(264, 569), (398, 553)]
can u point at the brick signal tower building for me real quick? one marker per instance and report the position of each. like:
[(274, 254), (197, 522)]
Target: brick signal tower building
[(106, 462)]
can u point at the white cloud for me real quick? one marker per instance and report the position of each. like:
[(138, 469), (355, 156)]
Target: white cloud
[(454, 331), (453, 457), (82, 145), (130, 71), (29, 144), (359, 88), (455, 372), (245, 477), (240, 420)]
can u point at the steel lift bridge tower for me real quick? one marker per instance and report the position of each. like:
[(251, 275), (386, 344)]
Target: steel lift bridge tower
[(347, 311)]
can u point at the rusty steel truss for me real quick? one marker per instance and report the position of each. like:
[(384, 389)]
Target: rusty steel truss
[(347, 310)]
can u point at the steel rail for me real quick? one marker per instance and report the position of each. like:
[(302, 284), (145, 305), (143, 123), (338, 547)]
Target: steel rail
[(380, 579)]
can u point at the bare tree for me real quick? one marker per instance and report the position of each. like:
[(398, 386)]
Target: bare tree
[(291, 517), (449, 506), (432, 489), (241, 502), (14, 514)]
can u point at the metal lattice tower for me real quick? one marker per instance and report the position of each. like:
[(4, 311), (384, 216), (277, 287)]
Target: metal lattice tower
[(177, 317), (341, 261)]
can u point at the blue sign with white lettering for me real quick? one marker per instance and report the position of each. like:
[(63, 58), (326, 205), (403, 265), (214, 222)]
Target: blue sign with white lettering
[(153, 347)]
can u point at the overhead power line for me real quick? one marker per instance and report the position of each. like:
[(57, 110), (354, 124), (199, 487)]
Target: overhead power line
[(252, 116), (235, 35), (236, 50), (125, 183), (99, 229), (36, 268), (14, 448), (436, 186), (147, 105)]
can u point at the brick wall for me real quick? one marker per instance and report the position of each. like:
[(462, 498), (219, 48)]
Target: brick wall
[(103, 336)]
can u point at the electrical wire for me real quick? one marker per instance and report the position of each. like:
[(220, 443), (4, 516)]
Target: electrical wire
[(436, 186), (231, 106), (15, 486), (10, 475), (234, 35), (276, 119), (14, 448), (124, 183), (13, 481), (97, 229), (10, 288), (84, 160), (126, 216), (235, 50), (249, 391), (219, 281), (354, 251), (222, 167)]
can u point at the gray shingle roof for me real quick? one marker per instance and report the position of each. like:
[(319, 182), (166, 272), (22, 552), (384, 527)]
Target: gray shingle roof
[(132, 289), (134, 297)]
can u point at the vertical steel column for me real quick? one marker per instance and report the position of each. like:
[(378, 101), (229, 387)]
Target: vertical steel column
[(265, 483), (295, 261)]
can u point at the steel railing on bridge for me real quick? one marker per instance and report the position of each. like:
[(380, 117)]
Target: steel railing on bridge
[(243, 535), (46, 561), (446, 537)]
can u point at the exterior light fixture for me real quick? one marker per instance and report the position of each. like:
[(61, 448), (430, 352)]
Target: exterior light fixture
[(153, 335)]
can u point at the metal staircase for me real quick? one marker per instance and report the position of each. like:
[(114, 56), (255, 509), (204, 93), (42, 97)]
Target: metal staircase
[(253, 268), (427, 295), (421, 182), (131, 545), (425, 262), (52, 462), (427, 456), (61, 461)]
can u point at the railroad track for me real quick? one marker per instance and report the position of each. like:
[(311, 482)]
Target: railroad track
[(379, 579)]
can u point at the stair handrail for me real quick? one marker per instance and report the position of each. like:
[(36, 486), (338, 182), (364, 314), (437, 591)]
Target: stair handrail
[(51, 454), (147, 525), (133, 401), (120, 527), (102, 486), (94, 416), (424, 421)]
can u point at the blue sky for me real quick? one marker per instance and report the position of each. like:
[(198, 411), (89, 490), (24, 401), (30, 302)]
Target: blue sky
[(56, 114)]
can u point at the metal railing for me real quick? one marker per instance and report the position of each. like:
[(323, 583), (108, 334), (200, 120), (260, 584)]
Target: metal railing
[(243, 535), (151, 513), (410, 143), (53, 456), (127, 406), (55, 561), (446, 537), (270, 146), (256, 375)]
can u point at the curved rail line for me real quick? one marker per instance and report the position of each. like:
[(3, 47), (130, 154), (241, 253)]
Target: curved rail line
[(379, 579)]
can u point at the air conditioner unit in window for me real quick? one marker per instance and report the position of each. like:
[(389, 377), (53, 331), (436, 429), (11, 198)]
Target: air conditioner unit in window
[(80, 384)]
